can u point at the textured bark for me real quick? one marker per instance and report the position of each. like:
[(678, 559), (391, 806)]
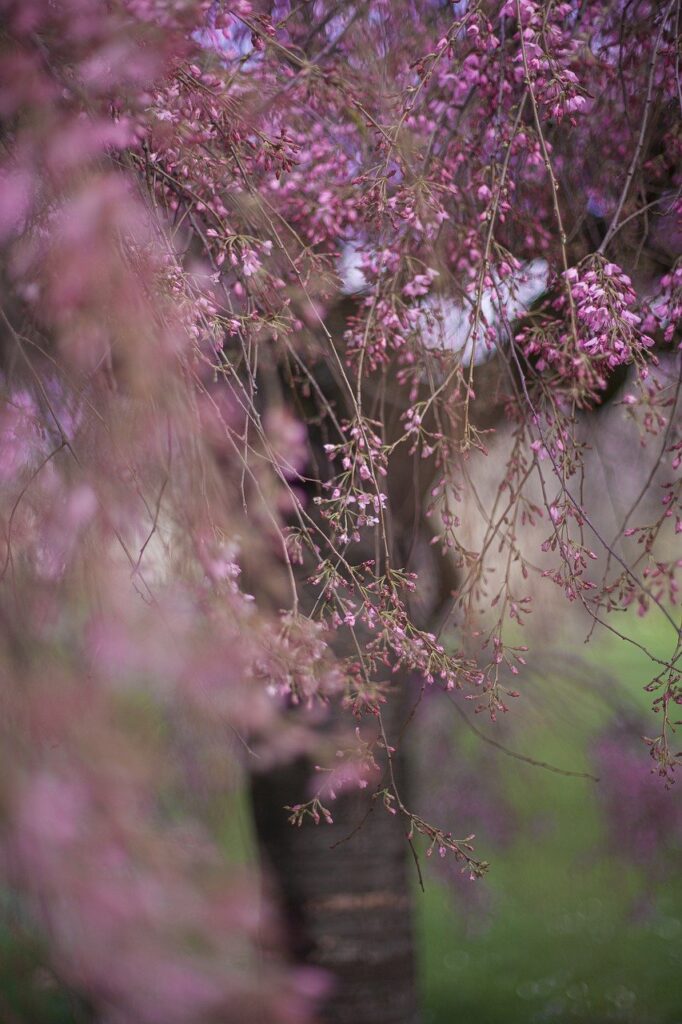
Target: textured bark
[(347, 908)]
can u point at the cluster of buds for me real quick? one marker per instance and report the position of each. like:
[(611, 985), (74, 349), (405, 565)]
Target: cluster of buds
[(666, 311), (547, 48), (298, 665), (587, 330), (355, 500)]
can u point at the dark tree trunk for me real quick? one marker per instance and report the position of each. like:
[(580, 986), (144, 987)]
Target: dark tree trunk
[(346, 890), (347, 908)]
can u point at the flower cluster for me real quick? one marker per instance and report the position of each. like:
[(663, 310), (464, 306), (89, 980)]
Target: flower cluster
[(299, 665), (586, 331), (548, 46), (666, 308), (355, 500)]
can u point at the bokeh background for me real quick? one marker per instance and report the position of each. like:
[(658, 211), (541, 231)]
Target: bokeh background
[(580, 916)]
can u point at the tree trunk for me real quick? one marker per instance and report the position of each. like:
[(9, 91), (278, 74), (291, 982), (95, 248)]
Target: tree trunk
[(348, 908)]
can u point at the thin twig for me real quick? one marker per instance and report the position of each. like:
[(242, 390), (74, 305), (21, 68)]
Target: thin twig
[(513, 753)]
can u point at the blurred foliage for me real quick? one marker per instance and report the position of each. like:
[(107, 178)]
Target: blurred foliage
[(30, 989), (562, 928)]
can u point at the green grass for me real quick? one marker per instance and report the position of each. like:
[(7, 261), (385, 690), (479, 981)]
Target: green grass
[(563, 941)]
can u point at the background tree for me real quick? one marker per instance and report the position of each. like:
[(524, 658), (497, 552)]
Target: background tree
[(233, 501)]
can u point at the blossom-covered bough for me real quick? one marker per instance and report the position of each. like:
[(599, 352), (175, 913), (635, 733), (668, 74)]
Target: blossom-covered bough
[(269, 279)]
